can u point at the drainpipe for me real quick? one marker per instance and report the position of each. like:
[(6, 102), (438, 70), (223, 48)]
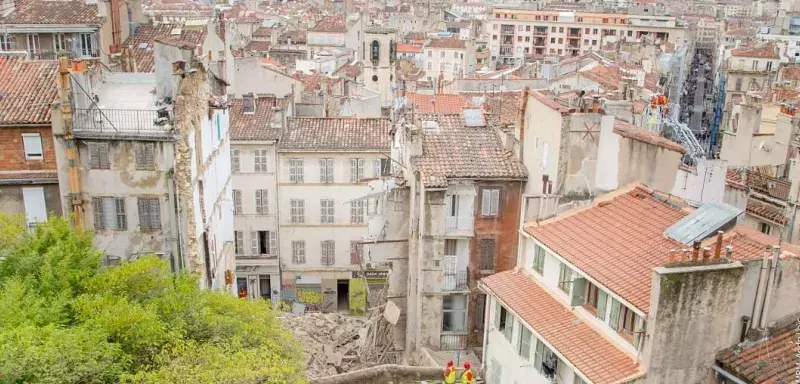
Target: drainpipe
[(174, 222), (762, 275), (773, 270), (75, 197)]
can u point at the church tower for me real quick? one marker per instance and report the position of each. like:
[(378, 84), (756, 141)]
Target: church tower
[(379, 54)]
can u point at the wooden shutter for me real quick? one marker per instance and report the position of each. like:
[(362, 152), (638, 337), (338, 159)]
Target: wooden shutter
[(602, 301), (254, 243), (494, 209), (94, 156), (97, 207), (102, 153), (486, 205), (301, 210), (122, 222), (322, 171), (300, 170), (638, 332), (614, 319), (292, 170), (149, 156), (497, 314), (353, 170), (258, 201), (138, 151), (273, 243), (578, 291), (155, 213)]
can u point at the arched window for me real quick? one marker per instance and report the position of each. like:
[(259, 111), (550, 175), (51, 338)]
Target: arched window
[(375, 52), (392, 51)]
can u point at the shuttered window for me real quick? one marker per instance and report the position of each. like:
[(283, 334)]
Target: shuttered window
[(145, 156), (326, 170), (237, 202), (487, 249), (357, 212), (328, 252), (33, 146), (490, 202), (236, 162), (262, 205), (564, 278), (296, 170), (239, 242), (109, 213), (356, 170), (297, 211), (98, 156), (326, 211), (298, 252), (260, 160), (149, 213)]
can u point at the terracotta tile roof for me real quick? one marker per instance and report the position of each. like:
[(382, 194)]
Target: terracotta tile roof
[(336, 134), (10, 176), (767, 211), (765, 51), (148, 33), (506, 105), (617, 242), (552, 104), (409, 48), (447, 44), (741, 32), (27, 90), (765, 361), (297, 37), (257, 46), (441, 103), (415, 36), (263, 32), (633, 132), (579, 343), (311, 82), (607, 76), (458, 151), (71, 12), (350, 70), (791, 72), (257, 125), (331, 24)]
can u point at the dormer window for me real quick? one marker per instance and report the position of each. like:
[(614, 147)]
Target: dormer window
[(248, 104)]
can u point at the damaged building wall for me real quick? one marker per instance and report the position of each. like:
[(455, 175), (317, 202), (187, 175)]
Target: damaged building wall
[(647, 163), (541, 138), (703, 183), (579, 157), (690, 305)]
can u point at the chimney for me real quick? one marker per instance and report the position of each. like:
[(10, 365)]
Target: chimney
[(671, 256), (706, 253), (773, 271), (718, 246), (6, 7), (416, 141), (728, 252), (695, 250), (596, 104)]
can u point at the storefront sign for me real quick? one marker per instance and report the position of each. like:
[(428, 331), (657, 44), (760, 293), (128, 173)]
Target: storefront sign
[(371, 274)]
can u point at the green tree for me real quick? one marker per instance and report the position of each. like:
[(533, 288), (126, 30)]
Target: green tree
[(66, 319)]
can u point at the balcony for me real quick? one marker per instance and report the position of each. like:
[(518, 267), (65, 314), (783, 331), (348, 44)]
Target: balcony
[(453, 342), (540, 31), (539, 42), (459, 225), (454, 282), (100, 121), (574, 32)]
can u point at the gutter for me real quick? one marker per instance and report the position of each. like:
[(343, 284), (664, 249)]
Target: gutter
[(727, 374), (28, 181)]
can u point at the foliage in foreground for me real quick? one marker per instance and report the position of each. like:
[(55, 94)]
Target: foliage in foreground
[(65, 319)]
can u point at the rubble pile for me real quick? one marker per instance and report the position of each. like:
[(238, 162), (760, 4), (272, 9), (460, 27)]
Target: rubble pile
[(337, 343)]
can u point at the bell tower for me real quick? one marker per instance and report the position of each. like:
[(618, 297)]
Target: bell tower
[(379, 54)]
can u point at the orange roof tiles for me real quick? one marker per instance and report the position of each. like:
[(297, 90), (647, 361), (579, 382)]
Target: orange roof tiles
[(27, 90), (441, 103), (336, 134), (409, 48), (447, 44), (765, 361), (569, 335), (256, 125), (143, 40), (257, 46), (765, 51), (331, 24), (767, 211), (70, 12), (633, 132), (552, 104)]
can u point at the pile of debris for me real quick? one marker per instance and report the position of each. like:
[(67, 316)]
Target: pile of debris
[(338, 343)]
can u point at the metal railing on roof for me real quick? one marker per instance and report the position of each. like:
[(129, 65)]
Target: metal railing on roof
[(121, 121)]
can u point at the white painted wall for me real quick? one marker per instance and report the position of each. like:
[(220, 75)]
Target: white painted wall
[(252, 77), (704, 184), (247, 181), (542, 138), (452, 65)]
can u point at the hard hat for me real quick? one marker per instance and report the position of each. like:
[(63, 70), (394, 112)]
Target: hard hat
[(466, 365), (450, 363)]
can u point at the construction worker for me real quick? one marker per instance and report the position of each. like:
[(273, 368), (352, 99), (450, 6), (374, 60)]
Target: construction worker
[(450, 373), (467, 377)]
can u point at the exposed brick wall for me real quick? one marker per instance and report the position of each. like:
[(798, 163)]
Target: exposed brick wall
[(12, 151)]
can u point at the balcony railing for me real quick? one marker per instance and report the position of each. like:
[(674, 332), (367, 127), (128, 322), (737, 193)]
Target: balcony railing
[(455, 224), (458, 281), (121, 121), (452, 342)]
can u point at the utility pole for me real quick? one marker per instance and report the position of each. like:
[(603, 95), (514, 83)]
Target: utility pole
[(73, 158)]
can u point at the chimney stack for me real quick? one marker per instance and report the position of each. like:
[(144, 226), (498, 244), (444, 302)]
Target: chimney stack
[(718, 246), (728, 252), (706, 253), (671, 256), (596, 104), (695, 250)]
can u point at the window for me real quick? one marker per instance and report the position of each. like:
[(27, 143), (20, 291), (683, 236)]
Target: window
[(441, 54), (375, 51), (262, 203), (769, 66), (237, 202), (538, 259), (594, 42), (503, 320), (356, 170), (630, 33), (235, 161), (430, 66), (326, 211), (594, 31), (585, 41), (149, 213), (59, 42), (480, 308), (6, 42), (764, 228), (519, 39), (260, 161), (327, 252), (326, 170), (248, 104), (297, 211), (264, 243), (490, 202), (494, 37), (560, 40), (487, 250), (564, 277), (296, 170), (627, 322), (586, 31), (527, 39), (430, 53), (552, 40), (238, 237), (524, 344), (738, 84), (560, 29), (98, 156), (755, 65), (527, 28), (597, 299), (356, 248), (87, 44), (145, 156), (33, 146), (109, 213), (577, 380), (33, 43), (357, 212), (450, 246), (454, 313), (381, 167), (298, 252), (552, 29)]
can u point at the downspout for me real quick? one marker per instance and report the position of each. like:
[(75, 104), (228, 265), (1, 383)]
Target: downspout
[(521, 122), (175, 225), (278, 216), (75, 196), (773, 270), (420, 263), (760, 291)]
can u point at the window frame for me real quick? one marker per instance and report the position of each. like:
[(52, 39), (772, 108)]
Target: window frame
[(539, 257), (297, 211), (260, 156), (493, 208), (296, 170), (460, 312), (149, 213), (565, 275), (327, 212), (238, 243), (98, 155), (482, 257), (357, 209), (32, 155), (326, 170), (98, 213), (327, 252), (262, 201), (238, 207), (145, 156), (236, 162), (298, 251)]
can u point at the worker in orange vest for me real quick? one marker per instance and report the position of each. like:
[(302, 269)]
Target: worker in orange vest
[(450, 373), (467, 377)]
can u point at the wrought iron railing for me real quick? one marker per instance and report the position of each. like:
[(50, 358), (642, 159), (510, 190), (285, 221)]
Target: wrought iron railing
[(458, 281), (116, 121)]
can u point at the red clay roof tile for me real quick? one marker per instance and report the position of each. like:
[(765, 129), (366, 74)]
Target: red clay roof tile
[(633, 132), (339, 134), (257, 125), (70, 12), (143, 41), (765, 361), (27, 90)]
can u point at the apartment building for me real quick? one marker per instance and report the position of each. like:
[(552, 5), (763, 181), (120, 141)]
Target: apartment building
[(634, 288), (336, 31), (448, 58), (460, 193), (28, 176), (144, 161), (751, 68), (81, 28), (324, 165), (517, 33), (256, 127)]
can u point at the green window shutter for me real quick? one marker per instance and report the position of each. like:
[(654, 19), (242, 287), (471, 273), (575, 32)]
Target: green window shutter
[(578, 291), (638, 328), (496, 314), (614, 319), (602, 300)]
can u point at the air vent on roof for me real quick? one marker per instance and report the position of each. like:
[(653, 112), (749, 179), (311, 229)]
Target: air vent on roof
[(430, 126), (176, 32)]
